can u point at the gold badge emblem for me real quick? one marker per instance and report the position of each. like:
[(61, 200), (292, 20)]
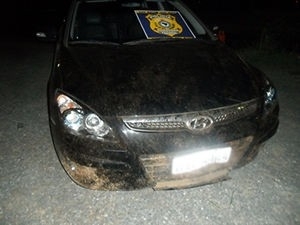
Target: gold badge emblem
[(163, 23)]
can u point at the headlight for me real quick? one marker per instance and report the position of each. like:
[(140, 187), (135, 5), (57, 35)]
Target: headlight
[(270, 97), (95, 125), (73, 119), (80, 120)]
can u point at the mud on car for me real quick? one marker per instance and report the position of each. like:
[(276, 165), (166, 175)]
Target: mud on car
[(142, 94)]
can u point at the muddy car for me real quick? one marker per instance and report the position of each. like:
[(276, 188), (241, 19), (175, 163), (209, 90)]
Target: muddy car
[(142, 94)]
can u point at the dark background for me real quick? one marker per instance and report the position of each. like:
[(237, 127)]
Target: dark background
[(260, 23), (35, 190)]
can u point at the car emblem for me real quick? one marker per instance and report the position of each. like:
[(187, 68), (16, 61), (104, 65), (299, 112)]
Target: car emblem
[(199, 123)]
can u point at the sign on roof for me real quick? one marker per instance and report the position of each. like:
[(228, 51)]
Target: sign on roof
[(160, 24)]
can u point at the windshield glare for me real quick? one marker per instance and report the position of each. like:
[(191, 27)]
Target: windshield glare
[(119, 22)]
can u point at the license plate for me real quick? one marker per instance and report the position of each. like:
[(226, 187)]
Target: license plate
[(194, 161)]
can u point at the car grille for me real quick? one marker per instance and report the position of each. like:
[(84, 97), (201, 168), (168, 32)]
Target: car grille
[(200, 121)]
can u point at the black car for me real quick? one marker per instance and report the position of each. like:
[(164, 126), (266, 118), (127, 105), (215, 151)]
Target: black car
[(142, 94)]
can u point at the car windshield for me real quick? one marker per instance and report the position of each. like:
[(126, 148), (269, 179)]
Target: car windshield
[(119, 21)]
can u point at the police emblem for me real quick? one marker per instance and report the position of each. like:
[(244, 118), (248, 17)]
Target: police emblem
[(156, 24), (165, 24)]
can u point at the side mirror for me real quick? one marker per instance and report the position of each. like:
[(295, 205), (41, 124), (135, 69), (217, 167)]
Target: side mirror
[(219, 34), (40, 35), (49, 35)]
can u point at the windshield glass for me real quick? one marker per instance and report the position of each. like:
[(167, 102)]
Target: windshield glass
[(126, 21)]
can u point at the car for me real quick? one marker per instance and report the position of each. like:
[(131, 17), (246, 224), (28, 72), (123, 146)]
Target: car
[(143, 95)]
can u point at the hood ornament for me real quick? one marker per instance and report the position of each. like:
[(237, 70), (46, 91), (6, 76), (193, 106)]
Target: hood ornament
[(199, 123)]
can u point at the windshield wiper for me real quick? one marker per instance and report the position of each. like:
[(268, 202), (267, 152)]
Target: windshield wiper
[(138, 41), (94, 42), (141, 41)]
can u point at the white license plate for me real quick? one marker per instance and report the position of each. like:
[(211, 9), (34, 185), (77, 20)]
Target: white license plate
[(196, 160)]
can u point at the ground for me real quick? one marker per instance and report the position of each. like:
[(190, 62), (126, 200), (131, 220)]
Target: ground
[(36, 190)]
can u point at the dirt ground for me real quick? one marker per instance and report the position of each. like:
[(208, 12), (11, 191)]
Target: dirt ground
[(36, 190)]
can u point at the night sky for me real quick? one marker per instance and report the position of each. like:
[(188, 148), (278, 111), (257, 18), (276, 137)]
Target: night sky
[(21, 18), (208, 4), (20, 10)]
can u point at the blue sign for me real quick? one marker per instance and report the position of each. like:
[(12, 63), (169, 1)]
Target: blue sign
[(163, 24)]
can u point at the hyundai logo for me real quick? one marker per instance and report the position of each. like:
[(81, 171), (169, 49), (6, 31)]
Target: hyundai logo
[(199, 123)]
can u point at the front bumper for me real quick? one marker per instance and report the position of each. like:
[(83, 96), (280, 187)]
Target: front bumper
[(153, 170), (121, 166)]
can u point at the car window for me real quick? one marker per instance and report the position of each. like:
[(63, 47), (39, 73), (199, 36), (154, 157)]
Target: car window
[(117, 21)]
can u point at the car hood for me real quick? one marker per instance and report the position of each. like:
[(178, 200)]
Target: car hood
[(156, 77)]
